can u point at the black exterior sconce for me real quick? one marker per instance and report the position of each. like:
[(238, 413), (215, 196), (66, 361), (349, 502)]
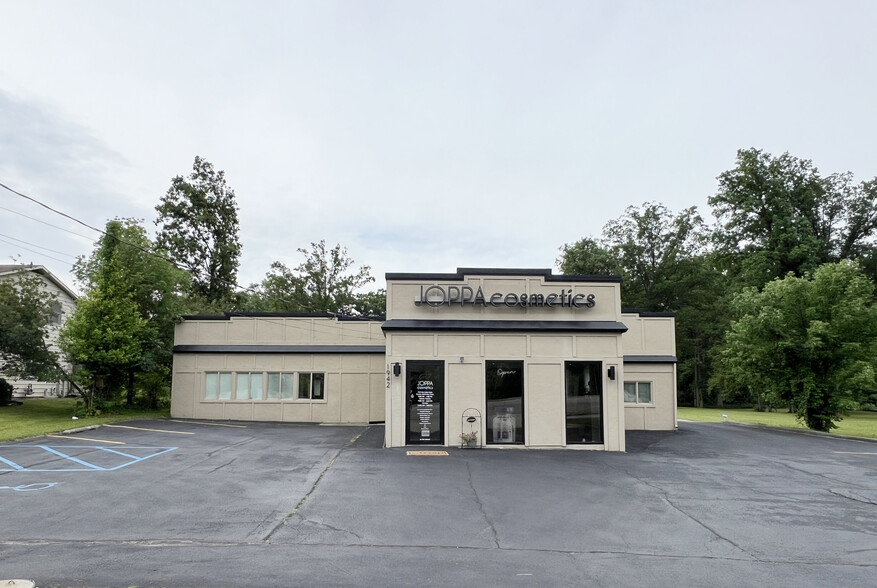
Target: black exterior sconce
[(611, 372), (397, 369)]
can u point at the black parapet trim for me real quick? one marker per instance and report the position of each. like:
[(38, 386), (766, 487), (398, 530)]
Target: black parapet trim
[(462, 272), (230, 315), (504, 326), (648, 314), (650, 359), (262, 349)]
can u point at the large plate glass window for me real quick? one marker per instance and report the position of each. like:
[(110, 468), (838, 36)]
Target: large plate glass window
[(505, 402), (584, 402)]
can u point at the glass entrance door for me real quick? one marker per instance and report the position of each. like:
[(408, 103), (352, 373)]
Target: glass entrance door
[(505, 402), (584, 402), (425, 394)]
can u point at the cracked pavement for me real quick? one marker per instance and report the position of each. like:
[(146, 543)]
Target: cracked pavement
[(282, 504)]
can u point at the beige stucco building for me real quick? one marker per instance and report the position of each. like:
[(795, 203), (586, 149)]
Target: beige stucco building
[(514, 358)]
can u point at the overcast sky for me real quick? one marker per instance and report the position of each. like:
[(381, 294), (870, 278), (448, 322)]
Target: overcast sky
[(423, 136)]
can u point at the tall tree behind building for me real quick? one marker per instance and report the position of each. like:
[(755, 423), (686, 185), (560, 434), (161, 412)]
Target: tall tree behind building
[(779, 215), (198, 227)]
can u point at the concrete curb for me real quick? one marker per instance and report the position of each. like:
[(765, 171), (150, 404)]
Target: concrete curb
[(79, 430)]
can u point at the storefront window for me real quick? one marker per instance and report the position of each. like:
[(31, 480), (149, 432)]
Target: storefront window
[(505, 402), (584, 402)]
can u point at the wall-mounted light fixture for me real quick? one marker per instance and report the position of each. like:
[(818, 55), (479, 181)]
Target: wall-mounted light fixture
[(461, 359), (611, 372), (397, 369)]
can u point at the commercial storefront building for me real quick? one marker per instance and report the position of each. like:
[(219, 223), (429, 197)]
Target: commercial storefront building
[(513, 358)]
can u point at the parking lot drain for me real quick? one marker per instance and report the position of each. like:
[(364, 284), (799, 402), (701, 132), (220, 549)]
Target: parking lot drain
[(426, 452)]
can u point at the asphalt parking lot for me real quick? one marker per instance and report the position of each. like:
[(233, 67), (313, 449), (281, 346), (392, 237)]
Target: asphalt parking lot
[(178, 503)]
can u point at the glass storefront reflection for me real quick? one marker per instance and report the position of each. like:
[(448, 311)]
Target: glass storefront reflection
[(505, 402)]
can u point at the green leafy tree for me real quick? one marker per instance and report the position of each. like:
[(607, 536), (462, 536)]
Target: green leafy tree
[(324, 282), (25, 311), (125, 257), (104, 337), (281, 291), (650, 248), (808, 342), (371, 304), (589, 257), (328, 281), (779, 215), (198, 227)]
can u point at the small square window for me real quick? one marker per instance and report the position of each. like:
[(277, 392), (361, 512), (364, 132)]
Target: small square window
[(638, 392)]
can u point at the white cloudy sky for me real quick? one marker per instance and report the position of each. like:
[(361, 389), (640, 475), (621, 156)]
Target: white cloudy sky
[(424, 136)]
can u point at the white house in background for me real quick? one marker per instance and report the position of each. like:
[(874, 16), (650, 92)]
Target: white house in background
[(63, 308)]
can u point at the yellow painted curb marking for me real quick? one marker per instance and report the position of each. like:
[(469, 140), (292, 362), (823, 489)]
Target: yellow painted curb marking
[(426, 452)]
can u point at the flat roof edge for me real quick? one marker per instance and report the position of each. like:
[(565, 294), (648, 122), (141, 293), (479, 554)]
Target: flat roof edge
[(650, 359), (322, 349), (507, 326), (462, 272)]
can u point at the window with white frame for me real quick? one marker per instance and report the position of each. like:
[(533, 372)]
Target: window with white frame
[(638, 392), (217, 385), (280, 386), (311, 386), (249, 386)]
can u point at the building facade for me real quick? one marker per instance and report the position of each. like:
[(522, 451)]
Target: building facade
[(63, 307), (499, 357)]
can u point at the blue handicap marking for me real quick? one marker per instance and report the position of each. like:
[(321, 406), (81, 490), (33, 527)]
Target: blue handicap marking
[(73, 458), (30, 487)]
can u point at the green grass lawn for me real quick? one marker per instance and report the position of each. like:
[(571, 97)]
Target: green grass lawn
[(856, 424), (40, 416)]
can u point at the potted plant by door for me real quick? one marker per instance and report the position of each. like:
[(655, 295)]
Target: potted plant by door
[(469, 439)]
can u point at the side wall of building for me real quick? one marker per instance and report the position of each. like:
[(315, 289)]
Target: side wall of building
[(649, 365), (258, 368)]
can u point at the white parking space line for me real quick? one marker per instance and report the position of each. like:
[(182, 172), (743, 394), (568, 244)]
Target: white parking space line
[(857, 452), (147, 429), (208, 424), (87, 439)]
